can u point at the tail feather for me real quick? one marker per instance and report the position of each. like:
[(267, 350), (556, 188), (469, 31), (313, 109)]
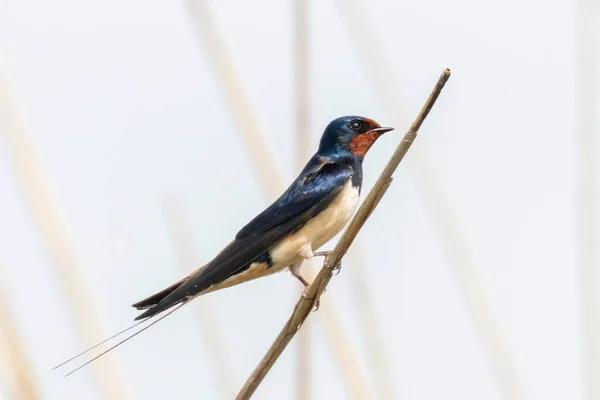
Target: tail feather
[(159, 308), (170, 297), (152, 301), (166, 298)]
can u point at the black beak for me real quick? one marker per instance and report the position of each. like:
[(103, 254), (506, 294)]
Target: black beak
[(381, 131)]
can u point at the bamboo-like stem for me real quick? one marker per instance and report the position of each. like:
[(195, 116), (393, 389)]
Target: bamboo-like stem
[(355, 380), (55, 235), (372, 336), (314, 291), (302, 123), (302, 81), (218, 354), (586, 111), (272, 181), (236, 98), (451, 238), (16, 358), (342, 350)]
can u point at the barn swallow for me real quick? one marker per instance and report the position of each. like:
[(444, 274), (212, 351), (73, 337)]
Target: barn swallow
[(315, 208)]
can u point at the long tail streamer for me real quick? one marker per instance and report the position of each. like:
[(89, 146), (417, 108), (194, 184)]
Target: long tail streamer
[(116, 345)]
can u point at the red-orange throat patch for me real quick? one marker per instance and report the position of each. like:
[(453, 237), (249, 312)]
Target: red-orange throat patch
[(362, 143)]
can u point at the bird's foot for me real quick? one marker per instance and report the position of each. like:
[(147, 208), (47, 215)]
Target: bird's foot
[(336, 270)]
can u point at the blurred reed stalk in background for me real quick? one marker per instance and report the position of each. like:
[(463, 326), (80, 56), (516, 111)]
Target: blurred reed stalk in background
[(235, 98), (219, 357), (14, 362), (372, 59), (587, 31), (53, 231), (302, 124)]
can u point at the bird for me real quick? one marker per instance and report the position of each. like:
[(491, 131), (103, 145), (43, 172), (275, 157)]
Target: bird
[(315, 207)]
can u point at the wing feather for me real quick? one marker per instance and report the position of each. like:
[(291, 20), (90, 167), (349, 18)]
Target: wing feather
[(308, 190)]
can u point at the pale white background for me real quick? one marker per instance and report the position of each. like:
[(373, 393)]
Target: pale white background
[(124, 110)]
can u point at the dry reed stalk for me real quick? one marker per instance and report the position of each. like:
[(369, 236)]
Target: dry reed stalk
[(52, 228)]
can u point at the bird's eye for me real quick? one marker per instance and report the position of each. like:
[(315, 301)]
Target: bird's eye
[(355, 125)]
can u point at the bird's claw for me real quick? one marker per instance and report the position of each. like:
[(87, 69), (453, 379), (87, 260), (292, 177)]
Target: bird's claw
[(336, 270), (317, 303)]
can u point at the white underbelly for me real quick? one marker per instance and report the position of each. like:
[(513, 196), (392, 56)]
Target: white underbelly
[(313, 235), (318, 230)]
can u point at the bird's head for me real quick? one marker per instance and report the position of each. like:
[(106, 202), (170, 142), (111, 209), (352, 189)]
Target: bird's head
[(351, 134)]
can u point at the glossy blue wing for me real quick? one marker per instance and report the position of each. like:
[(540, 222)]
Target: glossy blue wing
[(313, 190)]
